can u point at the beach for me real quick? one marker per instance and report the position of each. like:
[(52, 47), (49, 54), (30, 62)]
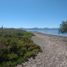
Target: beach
[(54, 51)]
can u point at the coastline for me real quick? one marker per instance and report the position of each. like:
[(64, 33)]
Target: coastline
[(50, 34), (54, 51)]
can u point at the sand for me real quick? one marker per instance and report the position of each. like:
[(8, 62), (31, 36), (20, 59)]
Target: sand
[(54, 51)]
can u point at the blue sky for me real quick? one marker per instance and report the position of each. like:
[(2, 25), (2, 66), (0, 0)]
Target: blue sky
[(32, 13)]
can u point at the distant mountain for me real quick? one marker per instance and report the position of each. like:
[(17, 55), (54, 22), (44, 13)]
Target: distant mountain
[(42, 28)]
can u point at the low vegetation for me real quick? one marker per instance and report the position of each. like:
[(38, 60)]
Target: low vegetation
[(16, 47)]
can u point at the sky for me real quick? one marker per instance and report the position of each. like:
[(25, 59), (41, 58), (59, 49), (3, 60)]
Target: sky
[(32, 13)]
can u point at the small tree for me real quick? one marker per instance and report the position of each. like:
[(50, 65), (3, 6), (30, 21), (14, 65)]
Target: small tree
[(63, 27)]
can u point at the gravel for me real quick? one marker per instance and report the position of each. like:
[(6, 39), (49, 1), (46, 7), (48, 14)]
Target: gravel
[(54, 52)]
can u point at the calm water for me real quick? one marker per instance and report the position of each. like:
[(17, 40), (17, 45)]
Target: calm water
[(49, 31)]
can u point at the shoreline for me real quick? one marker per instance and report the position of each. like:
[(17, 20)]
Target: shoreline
[(54, 51), (51, 35)]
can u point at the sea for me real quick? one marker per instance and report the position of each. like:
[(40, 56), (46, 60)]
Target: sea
[(49, 31)]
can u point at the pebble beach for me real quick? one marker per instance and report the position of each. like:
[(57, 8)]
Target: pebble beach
[(54, 51)]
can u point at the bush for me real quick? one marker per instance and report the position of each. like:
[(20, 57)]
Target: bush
[(63, 27), (16, 47)]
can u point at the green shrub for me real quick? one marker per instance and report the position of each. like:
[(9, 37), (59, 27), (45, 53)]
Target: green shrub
[(16, 47), (63, 27)]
